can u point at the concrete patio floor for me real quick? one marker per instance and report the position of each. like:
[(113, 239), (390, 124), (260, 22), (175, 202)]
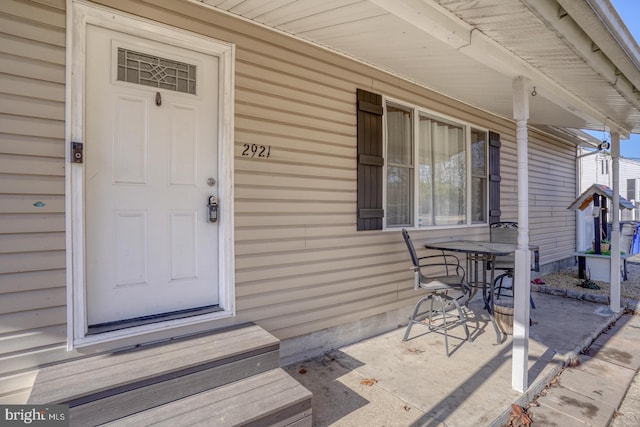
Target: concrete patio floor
[(383, 381)]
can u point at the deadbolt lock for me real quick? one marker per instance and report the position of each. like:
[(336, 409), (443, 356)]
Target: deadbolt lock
[(212, 205)]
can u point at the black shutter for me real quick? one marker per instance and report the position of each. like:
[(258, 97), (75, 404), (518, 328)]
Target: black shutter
[(370, 161), (494, 177)]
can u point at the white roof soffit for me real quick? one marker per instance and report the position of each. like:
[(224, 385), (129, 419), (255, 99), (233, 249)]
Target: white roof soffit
[(603, 25), (441, 23), (595, 32), (576, 53), (574, 136)]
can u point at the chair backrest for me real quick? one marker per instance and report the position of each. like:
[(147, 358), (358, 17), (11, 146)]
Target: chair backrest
[(504, 232), (443, 265), (412, 250), (507, 232), (627, 232)]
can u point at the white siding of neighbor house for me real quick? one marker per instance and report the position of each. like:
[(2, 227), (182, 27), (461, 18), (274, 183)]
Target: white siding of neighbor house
[(592, 172), (301, 266), (630, 169)]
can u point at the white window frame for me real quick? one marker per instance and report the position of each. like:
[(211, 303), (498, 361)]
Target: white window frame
[(471, 126), (467, 126)]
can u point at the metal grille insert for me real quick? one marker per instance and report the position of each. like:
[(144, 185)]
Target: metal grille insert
[(149, 70)]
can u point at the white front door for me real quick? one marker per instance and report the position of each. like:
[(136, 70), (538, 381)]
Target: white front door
[(151, 117)]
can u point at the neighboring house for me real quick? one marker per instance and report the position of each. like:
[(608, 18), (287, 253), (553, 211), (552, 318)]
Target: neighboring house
[(595, 167), (319, 128)]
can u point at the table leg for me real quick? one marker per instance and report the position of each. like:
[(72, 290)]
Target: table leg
[(469, 280), (485, 264), (475, 262), (489, 301)]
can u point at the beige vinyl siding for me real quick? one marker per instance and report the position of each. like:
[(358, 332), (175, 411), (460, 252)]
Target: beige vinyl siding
[(32, 238), (301, 266), (552, 186), (552, 181)]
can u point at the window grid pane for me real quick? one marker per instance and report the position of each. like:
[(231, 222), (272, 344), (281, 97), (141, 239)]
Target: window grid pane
[(399, 125), (154, 71), (446, 202), (399, 194), (449, 182), (426, 195), (399, 135), (478, 176)]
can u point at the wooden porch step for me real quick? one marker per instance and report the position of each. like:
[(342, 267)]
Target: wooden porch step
[(103, 388), (272, 398)]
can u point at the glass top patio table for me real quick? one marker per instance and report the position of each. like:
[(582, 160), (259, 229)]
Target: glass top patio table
[(491, 249), (486, 253)]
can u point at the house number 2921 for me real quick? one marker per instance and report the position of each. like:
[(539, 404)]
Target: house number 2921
[(255, 150)]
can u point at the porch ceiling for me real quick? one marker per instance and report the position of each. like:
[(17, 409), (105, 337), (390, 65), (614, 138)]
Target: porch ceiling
[(583, 62)]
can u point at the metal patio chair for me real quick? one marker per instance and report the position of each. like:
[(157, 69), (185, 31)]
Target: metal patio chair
[(507, 232), (441, 276)]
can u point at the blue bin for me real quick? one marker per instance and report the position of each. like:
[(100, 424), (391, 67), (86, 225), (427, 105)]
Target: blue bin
[(635, 246)]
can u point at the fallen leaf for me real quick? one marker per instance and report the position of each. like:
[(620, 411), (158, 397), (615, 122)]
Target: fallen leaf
[(519, 417), (415, 350), (517, 410), (302, 371), (368, 381), (406, 408)]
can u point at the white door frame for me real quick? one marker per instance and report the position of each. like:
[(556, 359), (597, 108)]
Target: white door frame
[(82, 14)]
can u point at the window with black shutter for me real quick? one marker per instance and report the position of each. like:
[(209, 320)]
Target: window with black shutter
[(370, 161), (427, 170)]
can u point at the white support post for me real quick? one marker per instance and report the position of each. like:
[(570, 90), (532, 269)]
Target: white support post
[(521, 284), (614, 296)]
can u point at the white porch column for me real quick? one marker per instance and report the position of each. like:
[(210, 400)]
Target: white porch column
[(522, 284), (614, 296)]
